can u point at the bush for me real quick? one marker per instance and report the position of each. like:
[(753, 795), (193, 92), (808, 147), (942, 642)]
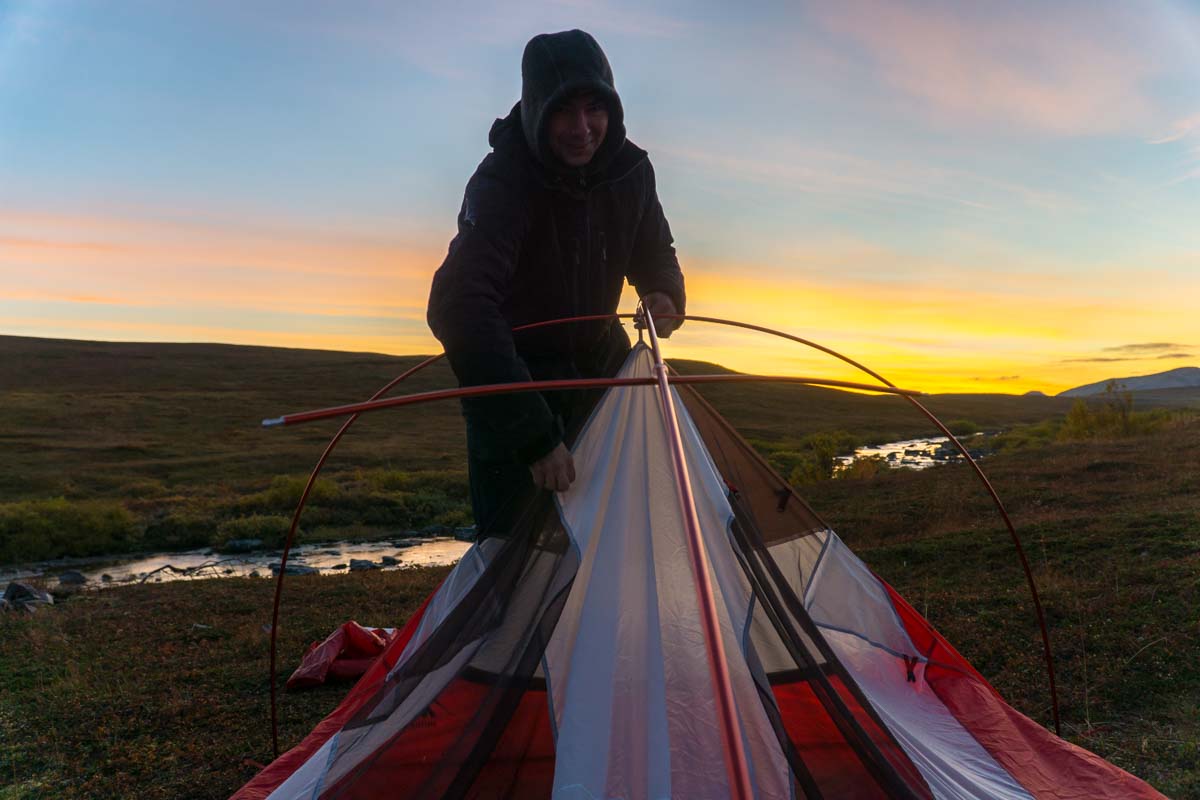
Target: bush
[(284, 494), (185, 529), (962, 427), (396, 480), (862, 468), (811, 459), (272, 529), (1025, 436), (1109, 417), (36, 530)]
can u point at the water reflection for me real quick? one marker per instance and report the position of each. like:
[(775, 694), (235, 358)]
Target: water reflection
[(909, 454), (329, 558)]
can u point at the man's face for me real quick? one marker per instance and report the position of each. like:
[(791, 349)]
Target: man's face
[(576, 128)]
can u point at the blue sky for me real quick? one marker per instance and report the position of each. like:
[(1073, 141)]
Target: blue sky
[(966, 196)]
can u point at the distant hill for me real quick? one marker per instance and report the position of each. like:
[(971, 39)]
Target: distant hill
[(1181, 378), (171, 434), (87, 419)]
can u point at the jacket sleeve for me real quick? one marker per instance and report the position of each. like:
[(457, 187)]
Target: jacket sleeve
[(653, 266), (464, 314)]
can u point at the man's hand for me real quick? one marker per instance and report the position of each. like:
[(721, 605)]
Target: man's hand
[(555, 470), (661, 303)]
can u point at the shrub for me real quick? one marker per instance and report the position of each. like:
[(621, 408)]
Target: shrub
[(35, 530), (272, 529), (863, 467), (1026, 436), (184, 529), (1110, 416), (962, 427), (396, 480), (811, 459), (284, 494)]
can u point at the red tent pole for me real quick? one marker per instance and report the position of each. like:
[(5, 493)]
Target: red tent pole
[(736, 765), (560, 384), (291, 537), (979, 473)]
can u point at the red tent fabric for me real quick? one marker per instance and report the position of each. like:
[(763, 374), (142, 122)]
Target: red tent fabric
[(346, 653)]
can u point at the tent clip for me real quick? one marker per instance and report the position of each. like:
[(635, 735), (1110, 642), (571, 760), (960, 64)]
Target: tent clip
[(910, 663)]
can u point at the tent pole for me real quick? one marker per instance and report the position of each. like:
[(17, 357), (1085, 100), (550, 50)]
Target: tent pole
[(735, 755)]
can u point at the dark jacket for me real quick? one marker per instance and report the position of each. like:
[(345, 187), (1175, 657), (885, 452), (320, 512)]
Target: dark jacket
[(538, 240)]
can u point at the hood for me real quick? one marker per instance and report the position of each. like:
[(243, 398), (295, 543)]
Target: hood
[(555, 66)]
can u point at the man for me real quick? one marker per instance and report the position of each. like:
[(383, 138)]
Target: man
[(554, 220)]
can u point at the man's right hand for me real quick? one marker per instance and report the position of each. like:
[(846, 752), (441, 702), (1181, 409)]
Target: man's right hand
[(555, 470)]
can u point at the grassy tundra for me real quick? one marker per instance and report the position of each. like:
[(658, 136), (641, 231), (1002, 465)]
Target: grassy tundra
[(114, 448), (159, 691)]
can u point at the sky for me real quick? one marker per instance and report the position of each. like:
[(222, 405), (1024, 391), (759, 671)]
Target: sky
[(969, 197)]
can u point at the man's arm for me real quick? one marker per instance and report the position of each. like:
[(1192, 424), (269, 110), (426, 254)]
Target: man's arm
[(653, 267), (464, 313)]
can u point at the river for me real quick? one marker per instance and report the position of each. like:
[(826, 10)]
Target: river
[(330, 558)]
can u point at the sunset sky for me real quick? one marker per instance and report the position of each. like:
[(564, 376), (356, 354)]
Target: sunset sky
[(966, 196)]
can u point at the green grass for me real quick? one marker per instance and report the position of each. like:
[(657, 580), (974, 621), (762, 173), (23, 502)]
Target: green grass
[(117, 693), (160, 691), (171, 433)]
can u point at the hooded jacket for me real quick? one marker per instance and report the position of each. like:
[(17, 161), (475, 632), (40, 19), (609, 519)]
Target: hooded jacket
[(538, 240)]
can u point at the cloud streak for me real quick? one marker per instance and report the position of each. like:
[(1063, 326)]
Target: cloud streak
[(1148, 348), (1064, 70)]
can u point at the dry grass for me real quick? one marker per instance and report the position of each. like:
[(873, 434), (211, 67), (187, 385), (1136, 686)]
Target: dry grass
[(160, 691)]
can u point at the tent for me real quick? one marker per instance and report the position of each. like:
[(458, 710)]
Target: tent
[(570, 659)]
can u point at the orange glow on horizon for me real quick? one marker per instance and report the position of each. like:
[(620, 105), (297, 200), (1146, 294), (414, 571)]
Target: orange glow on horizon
[(331, 291)]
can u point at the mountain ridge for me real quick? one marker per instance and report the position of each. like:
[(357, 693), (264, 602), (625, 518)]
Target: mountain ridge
[(1178, 378)]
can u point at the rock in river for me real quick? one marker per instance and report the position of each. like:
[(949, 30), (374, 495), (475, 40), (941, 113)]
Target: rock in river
[(72, 578), (23, 597)]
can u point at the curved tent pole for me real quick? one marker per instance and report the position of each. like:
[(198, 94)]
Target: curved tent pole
[(714, 320), (987, 484), (560, 384), (731, 736), (291, 535), (312, 479)]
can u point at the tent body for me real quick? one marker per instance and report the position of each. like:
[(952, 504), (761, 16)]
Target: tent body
[(568, 660)]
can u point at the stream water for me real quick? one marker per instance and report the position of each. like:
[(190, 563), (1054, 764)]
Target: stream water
[(334, 558), (909, 454), (328, 558)]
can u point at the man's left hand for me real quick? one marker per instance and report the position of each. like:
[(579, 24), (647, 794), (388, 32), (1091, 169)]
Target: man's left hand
[(658, 304)]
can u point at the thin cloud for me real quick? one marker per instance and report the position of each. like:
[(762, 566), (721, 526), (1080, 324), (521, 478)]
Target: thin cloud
[(1181, 129), (1143, 347), (418, 31), (998, 378), (1067, 71), (1108, 359), (849, 178), (1184, 131), (1098, 360)]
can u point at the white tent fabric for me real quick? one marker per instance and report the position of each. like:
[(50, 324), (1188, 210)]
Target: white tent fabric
[(627, 667)]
